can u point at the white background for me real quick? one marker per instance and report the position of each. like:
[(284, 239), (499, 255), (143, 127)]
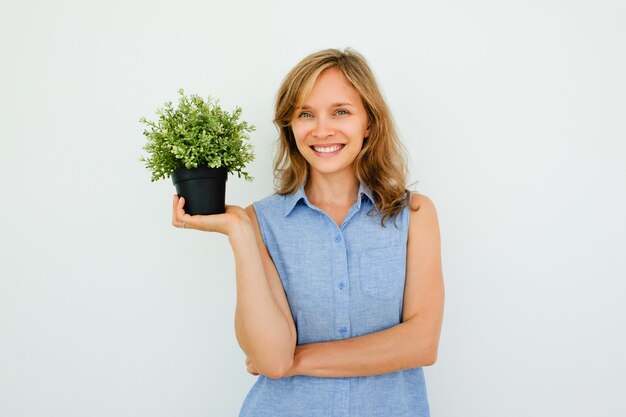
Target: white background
[(513, 113)]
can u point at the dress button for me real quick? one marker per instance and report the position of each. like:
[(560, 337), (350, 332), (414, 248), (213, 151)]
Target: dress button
[(337, 238), (341, 285), (343, 330)]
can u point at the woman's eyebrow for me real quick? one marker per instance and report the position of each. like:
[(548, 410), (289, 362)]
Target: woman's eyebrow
[(307, 107)]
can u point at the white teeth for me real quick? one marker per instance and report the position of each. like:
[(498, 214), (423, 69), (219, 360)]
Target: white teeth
[(326, 150)]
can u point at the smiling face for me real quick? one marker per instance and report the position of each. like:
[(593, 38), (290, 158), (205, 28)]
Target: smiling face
[(330, 126)]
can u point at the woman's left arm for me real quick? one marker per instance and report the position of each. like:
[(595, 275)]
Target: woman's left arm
[(410, 344)]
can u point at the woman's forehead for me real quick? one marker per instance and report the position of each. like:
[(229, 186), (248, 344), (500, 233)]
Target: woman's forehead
[(331, 89)]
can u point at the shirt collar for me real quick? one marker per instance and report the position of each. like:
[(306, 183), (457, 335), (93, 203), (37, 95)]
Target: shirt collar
[(291, 200)]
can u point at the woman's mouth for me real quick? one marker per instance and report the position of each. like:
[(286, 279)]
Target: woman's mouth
[(327, 150)]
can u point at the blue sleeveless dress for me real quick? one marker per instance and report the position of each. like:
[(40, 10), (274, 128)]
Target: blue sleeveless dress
[(341, 282)]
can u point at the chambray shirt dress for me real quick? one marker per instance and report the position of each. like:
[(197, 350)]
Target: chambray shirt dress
[(341, 282)]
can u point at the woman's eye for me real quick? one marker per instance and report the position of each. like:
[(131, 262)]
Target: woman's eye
[(340, 112), (304, 115)]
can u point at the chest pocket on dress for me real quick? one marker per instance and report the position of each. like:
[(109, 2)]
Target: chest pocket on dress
[(382, 271)]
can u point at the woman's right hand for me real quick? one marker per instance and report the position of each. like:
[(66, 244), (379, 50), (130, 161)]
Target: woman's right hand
[(223, 223)]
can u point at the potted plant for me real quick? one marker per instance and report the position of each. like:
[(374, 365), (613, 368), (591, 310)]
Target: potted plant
[(198, 144)]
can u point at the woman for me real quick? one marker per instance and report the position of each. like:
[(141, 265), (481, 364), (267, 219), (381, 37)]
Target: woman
[(338, 308)]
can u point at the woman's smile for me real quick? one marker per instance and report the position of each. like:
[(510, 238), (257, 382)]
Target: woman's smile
[(326, 151)]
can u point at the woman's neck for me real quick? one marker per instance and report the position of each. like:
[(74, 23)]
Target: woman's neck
[(332, 191)]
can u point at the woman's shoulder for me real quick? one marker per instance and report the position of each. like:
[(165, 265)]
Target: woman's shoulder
[(418, 200), (423, 212)]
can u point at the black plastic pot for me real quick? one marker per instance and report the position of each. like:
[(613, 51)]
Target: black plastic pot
[(204, 189)]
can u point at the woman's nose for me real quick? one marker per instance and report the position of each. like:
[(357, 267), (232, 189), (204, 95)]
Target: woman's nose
[(323, 127)]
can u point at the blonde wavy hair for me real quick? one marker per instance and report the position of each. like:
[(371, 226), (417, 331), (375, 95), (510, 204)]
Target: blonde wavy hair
[(382, 162)]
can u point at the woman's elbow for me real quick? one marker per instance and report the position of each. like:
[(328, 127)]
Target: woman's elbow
[(277, 371), (431, 358), (427, 356)]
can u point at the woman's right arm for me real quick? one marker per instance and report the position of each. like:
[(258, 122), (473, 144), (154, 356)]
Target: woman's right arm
[(263, 323)]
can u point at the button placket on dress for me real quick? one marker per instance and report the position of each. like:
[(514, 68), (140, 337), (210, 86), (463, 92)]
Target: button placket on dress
[(341, 396), (340, 276)]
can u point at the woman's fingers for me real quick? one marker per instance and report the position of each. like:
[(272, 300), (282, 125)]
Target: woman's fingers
[(184, 220), (220, 223), (178, 213)]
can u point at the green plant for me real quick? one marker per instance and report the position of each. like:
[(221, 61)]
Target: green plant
[(197, 133)]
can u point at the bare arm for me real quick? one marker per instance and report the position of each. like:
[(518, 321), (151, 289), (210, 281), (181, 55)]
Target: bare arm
[(263, 323)]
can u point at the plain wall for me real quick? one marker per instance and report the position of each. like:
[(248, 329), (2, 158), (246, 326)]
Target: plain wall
[(513, 116)]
